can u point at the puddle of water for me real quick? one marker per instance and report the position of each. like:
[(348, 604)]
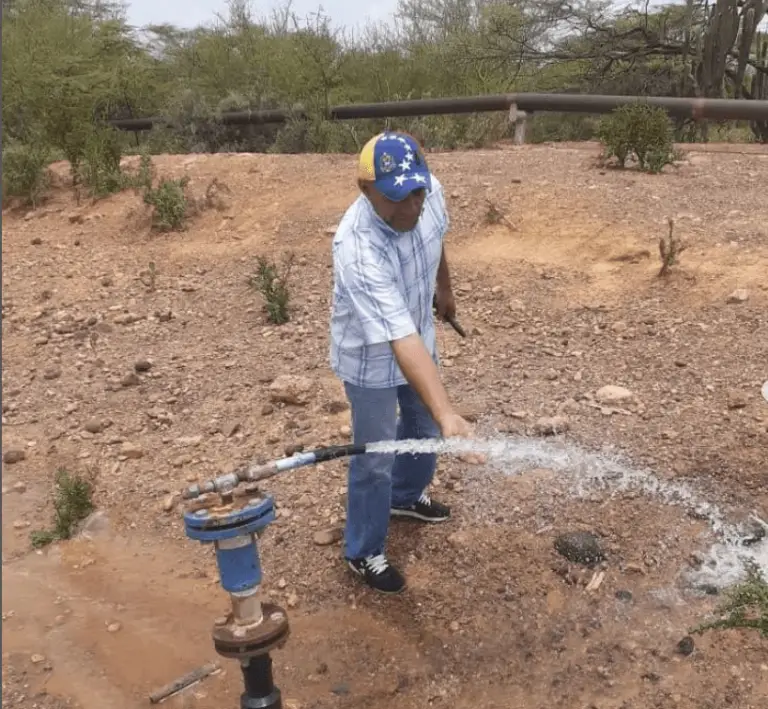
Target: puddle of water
[(586, 472)]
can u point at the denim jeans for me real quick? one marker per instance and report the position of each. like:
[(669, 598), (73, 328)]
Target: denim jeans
[(376, 482)]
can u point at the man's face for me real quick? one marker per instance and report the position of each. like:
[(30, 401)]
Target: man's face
[(401, 216)]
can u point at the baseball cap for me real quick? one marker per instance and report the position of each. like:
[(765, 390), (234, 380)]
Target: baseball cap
[(395, 164)]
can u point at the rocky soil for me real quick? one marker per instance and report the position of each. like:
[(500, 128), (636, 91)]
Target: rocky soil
[(145, 362)]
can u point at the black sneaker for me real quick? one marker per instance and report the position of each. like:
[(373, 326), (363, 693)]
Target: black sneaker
[(378, 573), (425, 509)]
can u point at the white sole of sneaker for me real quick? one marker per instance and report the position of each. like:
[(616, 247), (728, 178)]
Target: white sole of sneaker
[(415, 515)]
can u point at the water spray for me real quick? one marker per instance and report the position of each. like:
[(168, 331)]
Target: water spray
[(231, 512)]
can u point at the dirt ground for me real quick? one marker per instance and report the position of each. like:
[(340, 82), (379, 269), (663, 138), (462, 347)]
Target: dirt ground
[(560, 298)]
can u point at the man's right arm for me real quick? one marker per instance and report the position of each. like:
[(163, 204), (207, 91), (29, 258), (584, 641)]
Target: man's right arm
[(384, 317)]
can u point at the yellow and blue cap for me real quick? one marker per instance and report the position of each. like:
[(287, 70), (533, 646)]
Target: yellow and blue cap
[(395, 164)]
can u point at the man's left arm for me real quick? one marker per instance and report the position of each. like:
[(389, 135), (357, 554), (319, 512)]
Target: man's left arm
[(444, 300)]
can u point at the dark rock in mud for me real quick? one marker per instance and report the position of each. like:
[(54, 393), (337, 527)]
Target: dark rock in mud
[(623, 595), (686, 646), (580, 548)]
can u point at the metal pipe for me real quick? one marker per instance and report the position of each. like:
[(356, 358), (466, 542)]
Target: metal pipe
[(720, 109)]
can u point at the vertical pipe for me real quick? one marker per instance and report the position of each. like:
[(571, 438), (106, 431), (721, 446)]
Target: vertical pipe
[(260, 691)]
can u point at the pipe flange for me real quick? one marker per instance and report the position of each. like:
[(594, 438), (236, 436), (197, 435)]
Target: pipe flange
[(237, 641)]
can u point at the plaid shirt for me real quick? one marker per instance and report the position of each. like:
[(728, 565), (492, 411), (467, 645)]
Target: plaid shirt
[(384, 284)]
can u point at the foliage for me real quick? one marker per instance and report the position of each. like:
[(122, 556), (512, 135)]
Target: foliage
[(745, 606), (25, 171), (71, 65), (169, 203), (72, 503), (272, 282), (638, 131)]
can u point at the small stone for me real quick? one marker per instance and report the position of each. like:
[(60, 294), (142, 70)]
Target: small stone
[(230, 429), (611, 394), (114, 627), (106, 282), (736, 399), (551, 425), (293, 449), (686, 646), (170, 501), (267, 409), (94, 425), (13, 455), (52, 373), (326, 537), (623, 595), (291, 389), (282, 583), (345, 431), (336, 406), (131, 451), (19, 487), (580, 548), (20, 524), (454, 626), (293, 600), (36, 659), (36, 241), (142, 365), (740, 295), (130, 380)]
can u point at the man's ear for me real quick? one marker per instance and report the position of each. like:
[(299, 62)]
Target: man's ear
[(363, 185)]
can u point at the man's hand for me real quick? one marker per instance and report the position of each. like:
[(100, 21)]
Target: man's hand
[(445, 303), (454, 425)]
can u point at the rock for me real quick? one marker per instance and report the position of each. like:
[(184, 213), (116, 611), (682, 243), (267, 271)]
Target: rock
[(14, 455), (336, 406), (230, 429), (142, 365), (181, 460), (52, 373), (94, 525), (267, 409), (114, 627), (170, 501), (580, 548), (686, 646), (459, 540), (736, 399), (740, 295), (189, 441), (293, 600), (131, 451), (345, 431), (95, 425), (551, 425), (36, 659), (291, 389), (130, 380), (19, 487), (612, 394), (293, 449), (326, 537), (623, 595)]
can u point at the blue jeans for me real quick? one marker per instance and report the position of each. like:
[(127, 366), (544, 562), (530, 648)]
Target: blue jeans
[(377, 482)]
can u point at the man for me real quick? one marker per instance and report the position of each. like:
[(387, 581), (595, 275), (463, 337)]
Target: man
[(389, 263)]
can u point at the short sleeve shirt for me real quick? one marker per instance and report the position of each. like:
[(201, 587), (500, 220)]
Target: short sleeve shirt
[(383, 287)]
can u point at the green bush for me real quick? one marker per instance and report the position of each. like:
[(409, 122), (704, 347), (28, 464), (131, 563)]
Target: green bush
[(72, 503), (640, 132), (169, 202), (272, 282), (25, 172), (99, 167)]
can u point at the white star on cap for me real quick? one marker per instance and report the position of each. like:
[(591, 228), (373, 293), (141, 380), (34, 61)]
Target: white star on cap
[(418, 178), (400, 180), (405, 165)]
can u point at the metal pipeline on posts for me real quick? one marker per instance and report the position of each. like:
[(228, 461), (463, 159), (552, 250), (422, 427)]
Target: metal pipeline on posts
[(718, 109)]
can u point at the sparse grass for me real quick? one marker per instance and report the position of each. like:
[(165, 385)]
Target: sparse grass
[(72, 503), (669, 249), (272, 282), (745, 606)]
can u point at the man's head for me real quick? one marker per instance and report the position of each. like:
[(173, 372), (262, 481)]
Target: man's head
[(393, 175)]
